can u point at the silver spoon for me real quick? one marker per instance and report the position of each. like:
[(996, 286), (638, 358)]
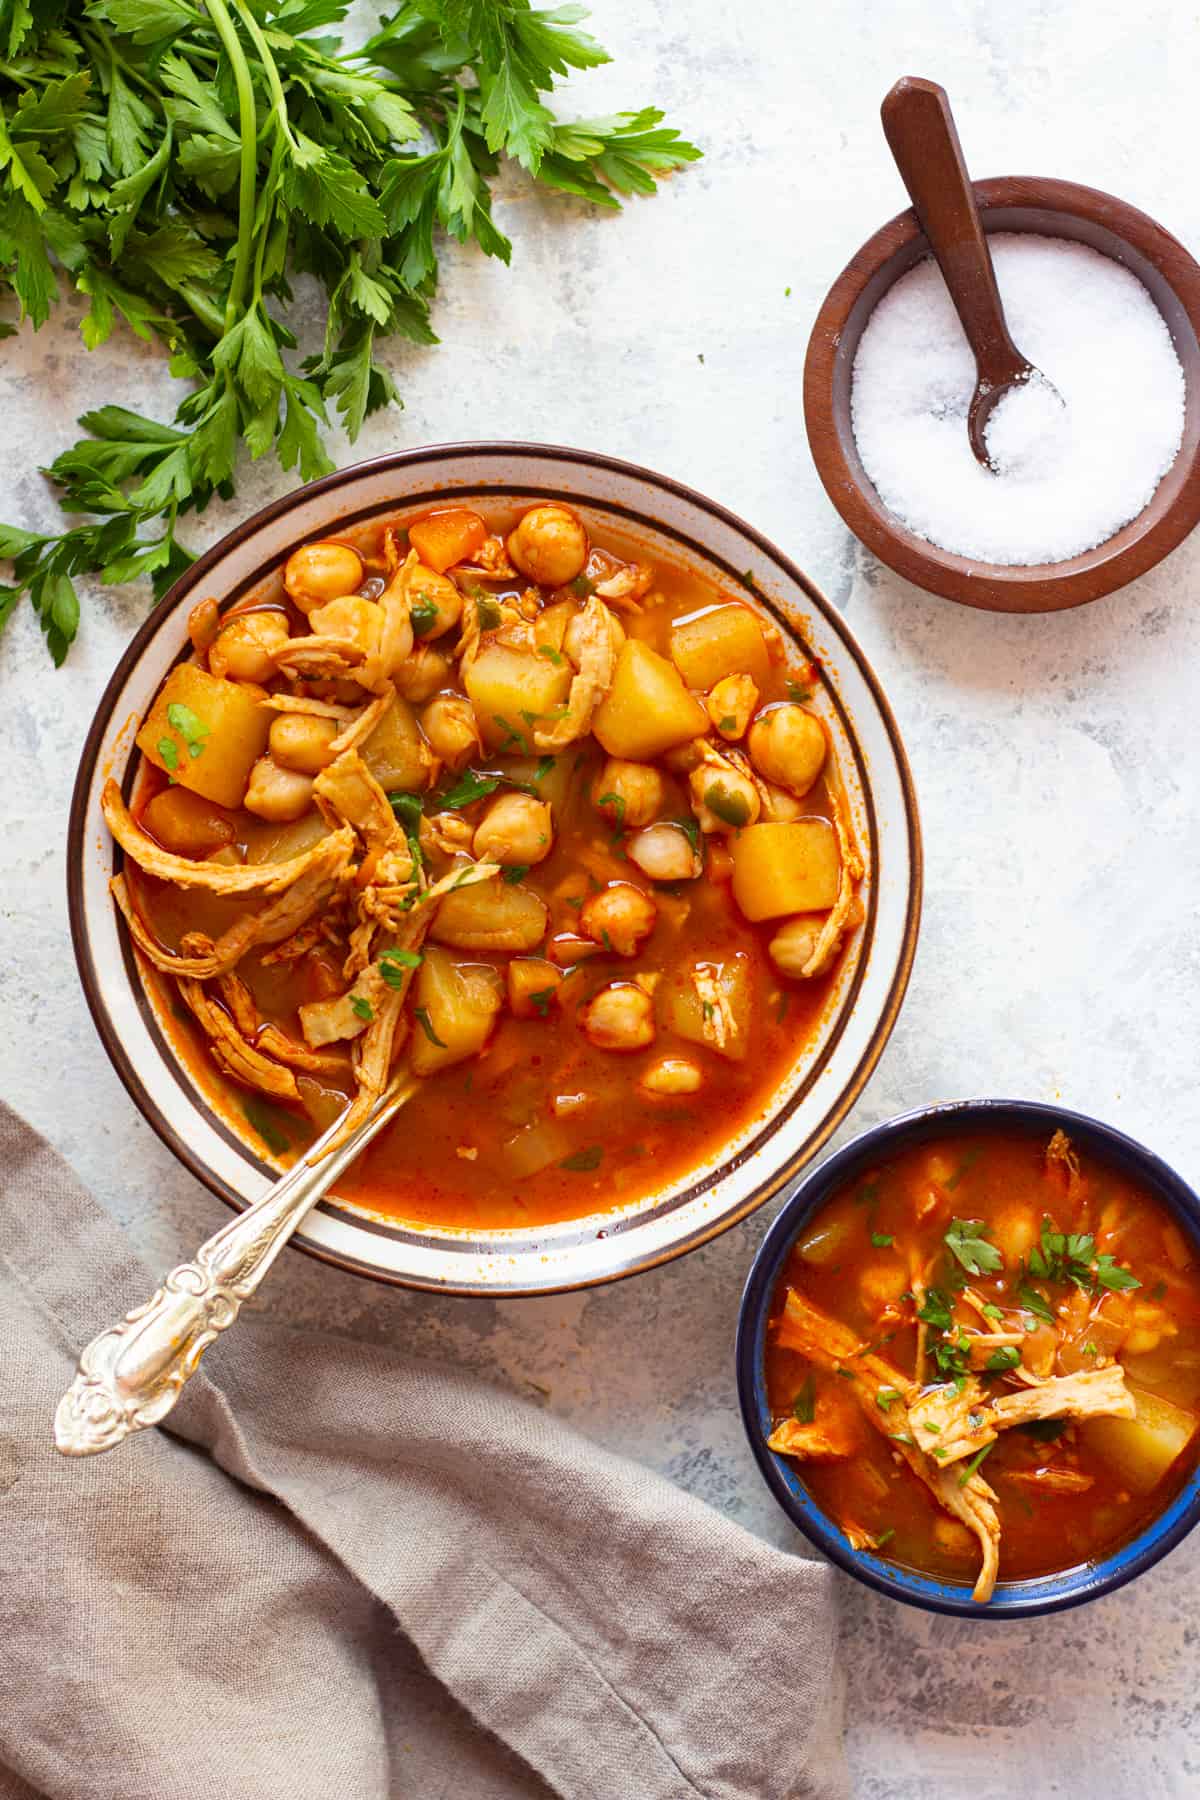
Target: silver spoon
[(131, 1375), (922, 137)]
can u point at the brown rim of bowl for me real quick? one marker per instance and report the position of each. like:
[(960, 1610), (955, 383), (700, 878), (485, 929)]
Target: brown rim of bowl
[(329, 484), (1054, 209)]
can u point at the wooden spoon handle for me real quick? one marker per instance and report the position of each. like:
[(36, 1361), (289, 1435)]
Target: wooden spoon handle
[(921, 135)]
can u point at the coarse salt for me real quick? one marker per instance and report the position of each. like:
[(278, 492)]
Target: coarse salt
[(1074, 457)]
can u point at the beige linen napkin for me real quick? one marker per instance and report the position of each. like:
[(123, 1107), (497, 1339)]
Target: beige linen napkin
[(338, 1572)]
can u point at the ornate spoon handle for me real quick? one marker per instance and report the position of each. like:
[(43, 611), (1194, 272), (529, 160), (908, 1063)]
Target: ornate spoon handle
[(131, 1375)]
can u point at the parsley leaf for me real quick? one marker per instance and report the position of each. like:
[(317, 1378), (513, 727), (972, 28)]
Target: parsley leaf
[(1006, 1357), (881, 1240), (395, 965), (516, 872), (191, 729), (583, 1160), (467, 789), (967, 1240), (935, 1310), (421, 1013), (361, 1006), (804, 1406), (180, 165)]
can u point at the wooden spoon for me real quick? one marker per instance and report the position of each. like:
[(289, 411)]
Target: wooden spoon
[(921, 135)]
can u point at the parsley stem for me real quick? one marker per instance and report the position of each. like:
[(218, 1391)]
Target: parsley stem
[(248, 175)]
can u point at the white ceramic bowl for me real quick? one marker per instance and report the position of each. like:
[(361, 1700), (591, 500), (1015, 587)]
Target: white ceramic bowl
[(673, 522)]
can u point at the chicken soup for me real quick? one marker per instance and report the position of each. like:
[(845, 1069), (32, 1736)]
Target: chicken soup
[(559, 830), (984, 1357)]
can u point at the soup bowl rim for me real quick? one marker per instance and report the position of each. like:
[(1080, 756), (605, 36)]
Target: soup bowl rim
[(488, 1266), (1027, 1598)]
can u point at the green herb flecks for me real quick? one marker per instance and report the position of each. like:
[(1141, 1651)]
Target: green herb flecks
[(964, 1168), (1008, 1356), (804, 1406), (191, 729), (967, 1241), (1035, 1303), (361, 1007), (885, 1537), (469, 787), (617, 803), (397, 965), (1071, 1257), (168, 749), (882, 1239), (421, 1014), (886, 1397), (423, 615), (551, 655), (1045, 1431), (540, 1001), (731, 807), (409, 809), (269, 1124), (798, 693), (516, 872), (583, 1161), (974, 1463)]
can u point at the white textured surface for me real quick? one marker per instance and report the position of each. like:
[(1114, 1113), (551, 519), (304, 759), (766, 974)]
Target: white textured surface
[(1057, 762)]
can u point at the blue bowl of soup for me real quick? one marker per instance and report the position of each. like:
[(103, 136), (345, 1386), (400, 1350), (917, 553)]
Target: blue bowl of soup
[(1046, 1269)]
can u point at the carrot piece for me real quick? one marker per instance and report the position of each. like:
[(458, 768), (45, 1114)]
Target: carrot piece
[(442, 539)]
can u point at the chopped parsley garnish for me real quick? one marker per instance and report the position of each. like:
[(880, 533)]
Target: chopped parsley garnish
[(606, 940), (885, 1537), (543, 769), (935, 1310), (728, 723), (541, 1001), (512, 735), (730, 807), (692, 830), (617, 802), (394, 963), (582, 587), (409, 809), (804, 1406), (1159, 1291), (361, 1007), (1006, 1357), (881, 1239), (902, 1437), (1046, 1431), (1090, 1349), (423, 615), (422, 1013), (487, 611), (886, 1397), (846, 1374), (967, 1240), (191, 729), (551, 654), (1035, 1303), (968, 1162), (995, 1313), (974, 1463), (268, 1124), (469, 787), (516, 872), (798, 693), (1071, 1256), (584, 1161), (168, 749)]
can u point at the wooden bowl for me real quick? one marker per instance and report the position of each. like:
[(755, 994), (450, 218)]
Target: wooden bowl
[(1054, 209)]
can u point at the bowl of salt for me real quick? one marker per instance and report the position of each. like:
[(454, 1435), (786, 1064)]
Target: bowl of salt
[(1087, 471)]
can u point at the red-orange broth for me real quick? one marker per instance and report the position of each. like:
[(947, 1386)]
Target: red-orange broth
[(543, 1125), (1067, 1490)]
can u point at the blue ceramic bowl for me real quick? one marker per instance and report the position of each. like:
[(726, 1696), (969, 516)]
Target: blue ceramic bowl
[(1012, 1599)]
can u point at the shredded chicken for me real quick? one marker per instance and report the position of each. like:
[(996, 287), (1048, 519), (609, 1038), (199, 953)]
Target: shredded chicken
[(847, 908), (716, 1013), (627, 586), (820, 1441), (316, 709), (279, 920), (1061, 1157), (230, 1050), (1051, 1480), (597, 663), (217, 878), (360, 727), (962, 1424), (829, 1344), (348, 788)]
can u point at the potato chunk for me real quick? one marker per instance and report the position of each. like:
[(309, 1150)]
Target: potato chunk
[(719, 641), (512, 691), (647, 710), (395, 752), (1142, 1449), (206, 732), (442, 539), (782, 869), (491, 915), (455, 1003), (711, 1004)]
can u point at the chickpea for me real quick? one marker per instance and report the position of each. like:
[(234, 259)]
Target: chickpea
[(245, 649), (787, 746), (278, 795), (671, 1075), (301, 741), (619, 1017), (794, 943), (435, 604), (723, 800), (448, 721), (515, 829), (664, 853), (350, 617), (322, 572), (684, 758), (549, 545), (731, 705), (573, 636), (620, 918), (629, 794), (420, 675)]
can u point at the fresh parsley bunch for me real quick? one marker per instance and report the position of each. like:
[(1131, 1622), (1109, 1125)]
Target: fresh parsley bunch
[(179, 161)]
